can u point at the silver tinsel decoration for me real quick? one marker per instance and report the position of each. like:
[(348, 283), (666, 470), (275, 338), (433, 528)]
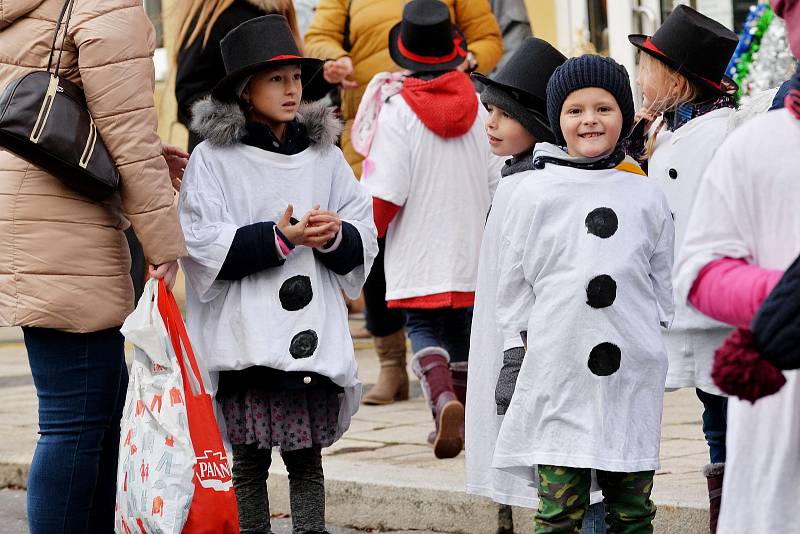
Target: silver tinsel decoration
[(773, 63)]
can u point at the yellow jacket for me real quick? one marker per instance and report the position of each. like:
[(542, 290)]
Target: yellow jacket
[(370, 22)]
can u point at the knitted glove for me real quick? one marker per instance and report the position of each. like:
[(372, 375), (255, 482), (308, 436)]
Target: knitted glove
[(512, 361)]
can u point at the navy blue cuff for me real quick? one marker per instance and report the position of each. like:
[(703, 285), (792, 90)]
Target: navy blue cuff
[(348, 255), (252, 250)]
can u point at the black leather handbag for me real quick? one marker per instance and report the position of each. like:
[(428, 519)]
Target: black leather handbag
[(44, 120)]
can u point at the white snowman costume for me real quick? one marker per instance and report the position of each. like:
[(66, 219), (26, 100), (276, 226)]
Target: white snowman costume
[(248, 322), (482, 423), (585, 269), (677, 163), (746, 208)]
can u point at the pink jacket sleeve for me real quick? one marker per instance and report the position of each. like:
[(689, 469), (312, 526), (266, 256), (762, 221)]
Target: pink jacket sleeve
[(731, 290)]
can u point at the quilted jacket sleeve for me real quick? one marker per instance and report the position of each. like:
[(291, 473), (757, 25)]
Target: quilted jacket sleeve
[(476, 21), (115, 43), (325, 36)]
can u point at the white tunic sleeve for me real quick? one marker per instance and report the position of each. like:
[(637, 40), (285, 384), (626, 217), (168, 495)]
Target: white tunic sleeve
[(389, 177), (515, 296), (353, 203), (207, 228), (661, 270)]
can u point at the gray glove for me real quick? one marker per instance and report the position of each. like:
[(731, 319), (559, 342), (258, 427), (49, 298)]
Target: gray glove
[(512, 361)]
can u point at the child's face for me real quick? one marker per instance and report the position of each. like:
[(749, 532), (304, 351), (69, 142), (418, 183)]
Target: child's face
[(275, 94), (591, 122), (507, 137)]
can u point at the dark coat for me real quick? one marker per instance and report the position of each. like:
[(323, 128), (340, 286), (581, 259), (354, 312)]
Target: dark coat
[(200, 67), (776, 327)]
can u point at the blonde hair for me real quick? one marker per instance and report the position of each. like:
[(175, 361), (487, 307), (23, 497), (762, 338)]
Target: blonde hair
[(206, 13), (663, 76)]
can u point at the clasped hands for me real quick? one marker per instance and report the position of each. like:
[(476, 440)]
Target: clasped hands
[(316, 228)]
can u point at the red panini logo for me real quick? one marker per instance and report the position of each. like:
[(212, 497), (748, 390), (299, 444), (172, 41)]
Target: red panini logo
[(213, 472)]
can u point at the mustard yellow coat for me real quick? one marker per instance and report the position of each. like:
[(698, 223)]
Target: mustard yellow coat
[(370, 22)]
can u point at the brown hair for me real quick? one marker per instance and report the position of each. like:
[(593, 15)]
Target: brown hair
[(199, 16), (688, 91)]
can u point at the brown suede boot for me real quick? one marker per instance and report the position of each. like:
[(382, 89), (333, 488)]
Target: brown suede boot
[(714, 474), (431, 366), (392, 384)]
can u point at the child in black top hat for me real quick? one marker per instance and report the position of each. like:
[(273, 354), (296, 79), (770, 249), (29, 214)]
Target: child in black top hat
[(681, 71), (264, 290), (429, 167), (585, 281)]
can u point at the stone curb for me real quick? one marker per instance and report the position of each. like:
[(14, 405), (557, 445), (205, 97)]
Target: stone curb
[(365, 505)]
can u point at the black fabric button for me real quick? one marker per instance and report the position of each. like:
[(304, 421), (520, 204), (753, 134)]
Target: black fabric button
[(295, 293), (673, 174), (303, 344), (601, 291), (604, 359), (602, 222)]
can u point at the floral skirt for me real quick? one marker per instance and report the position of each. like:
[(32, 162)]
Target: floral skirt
[(291, 419)]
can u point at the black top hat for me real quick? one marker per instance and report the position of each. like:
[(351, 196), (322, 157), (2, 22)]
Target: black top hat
[(694, 45), (526, 73), (425, 40), (259, 44)]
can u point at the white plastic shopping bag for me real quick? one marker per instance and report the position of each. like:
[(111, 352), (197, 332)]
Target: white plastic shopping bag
[(156, 457)]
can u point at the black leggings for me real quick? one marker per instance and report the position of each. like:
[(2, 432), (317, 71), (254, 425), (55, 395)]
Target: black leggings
[(381, 321), (306, 488)]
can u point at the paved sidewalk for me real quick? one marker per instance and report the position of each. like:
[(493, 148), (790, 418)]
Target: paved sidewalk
[(383, 474)]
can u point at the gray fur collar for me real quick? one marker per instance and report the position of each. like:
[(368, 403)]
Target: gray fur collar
[(223, 123)]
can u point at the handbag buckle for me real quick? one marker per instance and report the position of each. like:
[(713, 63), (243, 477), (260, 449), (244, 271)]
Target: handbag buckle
[(44, 111)]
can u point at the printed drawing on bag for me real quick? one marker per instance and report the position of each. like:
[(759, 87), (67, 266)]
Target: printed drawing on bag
[(213, 471)]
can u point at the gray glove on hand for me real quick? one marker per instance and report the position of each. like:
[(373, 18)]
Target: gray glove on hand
[(512, 361)]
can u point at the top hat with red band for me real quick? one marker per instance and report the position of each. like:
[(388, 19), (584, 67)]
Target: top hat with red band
[(426, 40), (693, 44), (264, 43)]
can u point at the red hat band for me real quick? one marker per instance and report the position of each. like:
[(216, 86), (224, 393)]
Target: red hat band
[(648, 44), (432, 60)]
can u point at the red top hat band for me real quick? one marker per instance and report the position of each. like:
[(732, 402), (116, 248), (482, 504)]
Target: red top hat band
[(432, 60), (648, 44)]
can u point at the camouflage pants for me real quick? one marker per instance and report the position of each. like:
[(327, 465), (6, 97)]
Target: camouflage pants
[(564, 497)]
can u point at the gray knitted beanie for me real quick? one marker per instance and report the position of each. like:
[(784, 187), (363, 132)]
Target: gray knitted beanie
[(532, 120), (589, 70)]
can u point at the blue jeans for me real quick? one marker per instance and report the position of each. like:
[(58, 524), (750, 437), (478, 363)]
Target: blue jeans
[(81, 381), (440, 327), (715, 424), (594, 520)]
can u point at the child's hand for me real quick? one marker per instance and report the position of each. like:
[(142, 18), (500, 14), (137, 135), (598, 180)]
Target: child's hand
[(293, 232), (322, 227), (647, 115)]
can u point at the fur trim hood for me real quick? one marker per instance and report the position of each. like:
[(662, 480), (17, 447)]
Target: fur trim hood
[(223, 123)]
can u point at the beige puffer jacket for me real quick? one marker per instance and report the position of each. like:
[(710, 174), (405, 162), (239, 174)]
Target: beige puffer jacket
[(64, 259)]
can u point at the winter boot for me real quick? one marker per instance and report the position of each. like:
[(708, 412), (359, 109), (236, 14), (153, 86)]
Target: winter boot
[(714, 474), (392, 384), (431, 366), (458, 370)]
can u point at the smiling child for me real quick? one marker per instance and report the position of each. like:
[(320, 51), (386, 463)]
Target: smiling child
[(585, 278)]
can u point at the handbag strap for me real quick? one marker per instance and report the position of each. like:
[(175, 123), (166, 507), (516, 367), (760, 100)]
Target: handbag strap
[(67, 9), (346, 44)]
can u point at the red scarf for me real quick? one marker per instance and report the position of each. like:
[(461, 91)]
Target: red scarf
[(446, 105)]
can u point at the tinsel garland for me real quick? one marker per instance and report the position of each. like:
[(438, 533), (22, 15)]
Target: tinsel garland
[(773, 62), (762, 59), (757, 22)]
